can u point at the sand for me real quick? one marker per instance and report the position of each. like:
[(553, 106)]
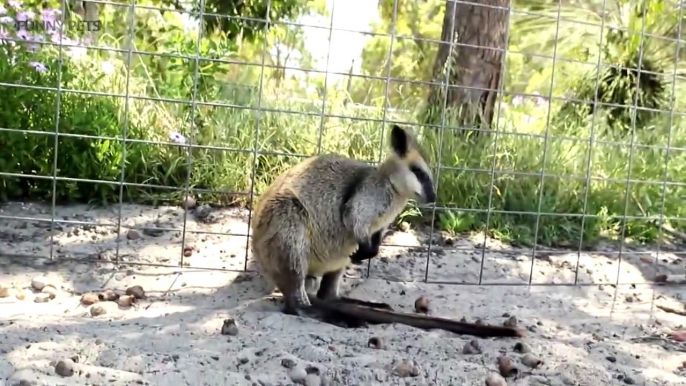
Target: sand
[(594, 334)]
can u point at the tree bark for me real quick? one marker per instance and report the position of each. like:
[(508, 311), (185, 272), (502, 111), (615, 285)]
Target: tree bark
[(475, 66)]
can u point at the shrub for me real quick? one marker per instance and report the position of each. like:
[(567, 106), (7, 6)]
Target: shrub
[(227, 132)]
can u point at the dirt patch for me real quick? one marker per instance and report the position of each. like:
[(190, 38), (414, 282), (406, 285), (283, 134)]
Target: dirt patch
[(595, 334)]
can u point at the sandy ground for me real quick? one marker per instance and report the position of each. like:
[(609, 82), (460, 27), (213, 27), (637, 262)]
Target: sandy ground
[(596, 334)]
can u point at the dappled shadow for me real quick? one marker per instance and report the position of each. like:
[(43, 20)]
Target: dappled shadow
[(582, 333), (175, 336), (149, 235)]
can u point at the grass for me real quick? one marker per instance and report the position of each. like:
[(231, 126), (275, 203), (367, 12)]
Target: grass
[(285, 130)]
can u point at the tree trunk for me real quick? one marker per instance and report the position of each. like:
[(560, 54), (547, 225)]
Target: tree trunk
[(475, 67)]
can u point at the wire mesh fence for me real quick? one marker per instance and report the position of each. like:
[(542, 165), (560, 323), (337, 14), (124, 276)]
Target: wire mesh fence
[(552, 126)]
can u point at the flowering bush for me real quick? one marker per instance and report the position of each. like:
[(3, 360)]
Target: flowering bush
[(37, 56), (31, 69)]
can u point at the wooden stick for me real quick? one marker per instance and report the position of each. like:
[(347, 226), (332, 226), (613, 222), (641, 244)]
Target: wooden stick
[(671, 310), (673, 279), (345, 309)]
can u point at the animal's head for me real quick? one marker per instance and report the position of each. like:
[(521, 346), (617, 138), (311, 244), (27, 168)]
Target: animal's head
[(410, 175)]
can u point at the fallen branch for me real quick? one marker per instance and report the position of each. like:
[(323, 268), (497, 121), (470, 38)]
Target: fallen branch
[(381, 313), (672, 279), (671, 310)]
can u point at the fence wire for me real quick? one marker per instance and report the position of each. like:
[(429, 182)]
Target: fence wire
[(320, 111)]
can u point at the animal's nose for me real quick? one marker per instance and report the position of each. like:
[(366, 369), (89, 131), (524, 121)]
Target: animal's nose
[(430, 197)]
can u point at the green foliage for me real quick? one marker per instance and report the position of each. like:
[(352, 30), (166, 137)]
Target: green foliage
[(243, 19), (411, 58), (226, 129), (622, 52)]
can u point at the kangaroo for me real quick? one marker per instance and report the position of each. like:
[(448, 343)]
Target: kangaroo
[(328, 211), (366, 252), (317, 214)]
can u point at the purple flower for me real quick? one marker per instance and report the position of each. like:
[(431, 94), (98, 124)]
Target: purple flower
[(40, 67), (177, 137), (14, 4), (48, 15), (540, 100), (25, 15), (23, 34)]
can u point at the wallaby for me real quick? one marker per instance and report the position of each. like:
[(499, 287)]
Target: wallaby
[(363, 252), (366, 252), (314, 216)]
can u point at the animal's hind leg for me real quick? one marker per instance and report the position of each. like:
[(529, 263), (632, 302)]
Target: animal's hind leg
[(329, 290), (291, 283), (288, 263)]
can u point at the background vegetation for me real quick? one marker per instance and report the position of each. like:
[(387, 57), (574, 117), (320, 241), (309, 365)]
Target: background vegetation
[(587, 157)]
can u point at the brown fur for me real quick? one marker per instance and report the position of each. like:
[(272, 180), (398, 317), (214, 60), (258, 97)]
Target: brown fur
[(313, 216)]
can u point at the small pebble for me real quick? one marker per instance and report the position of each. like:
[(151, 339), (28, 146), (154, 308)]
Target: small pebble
[(136, 291), (404, 226), (374, 342), (421, 305), (494, 379), (187, 251), (298, 375), (133, 235), (6, 292), (507, 367), (521, 348), (312, 370), (229, 327), (530, 360), (50, 290), (629, 381), (39, 282), (89, 298), (313, 380), (65, 368), (288, 363), (22, 294), (42, 298), (611, 359), (472, 347), (126, 301), (203, 211), (97, 310), (108, 296), (405, 369), (511, 322), (189, 203)]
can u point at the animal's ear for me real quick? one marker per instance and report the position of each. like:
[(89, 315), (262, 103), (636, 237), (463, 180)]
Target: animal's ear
[(400, 141)]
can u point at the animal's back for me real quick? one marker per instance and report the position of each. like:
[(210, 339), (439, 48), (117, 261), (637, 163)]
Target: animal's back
[(311, 193)]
